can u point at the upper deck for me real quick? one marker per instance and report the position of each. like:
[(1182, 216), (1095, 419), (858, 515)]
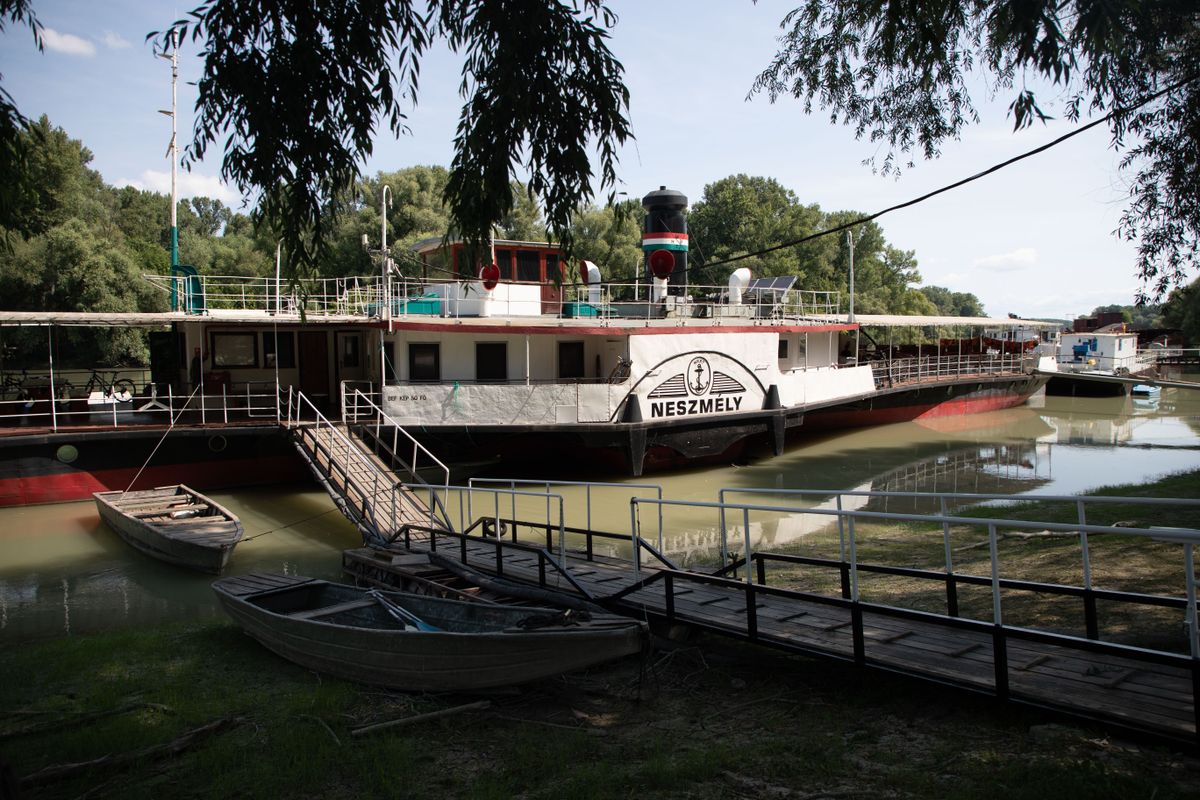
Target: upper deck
[(407, 302)]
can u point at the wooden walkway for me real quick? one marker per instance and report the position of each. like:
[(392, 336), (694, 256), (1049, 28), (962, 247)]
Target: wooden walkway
[(367, 492), (1146, 691)]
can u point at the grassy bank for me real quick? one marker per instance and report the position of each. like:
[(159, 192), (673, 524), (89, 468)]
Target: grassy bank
[(713, 722), (708, 720)]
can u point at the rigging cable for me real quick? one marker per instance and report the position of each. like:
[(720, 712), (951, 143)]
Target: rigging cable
[(956, 184), (162, 439)]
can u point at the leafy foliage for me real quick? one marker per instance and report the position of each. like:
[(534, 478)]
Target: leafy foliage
[(610, 237), (903, 74), (300, 86), (86, 245), (953, 304), (747, 214), (1182, 311), (1140, 317), (15, 182)]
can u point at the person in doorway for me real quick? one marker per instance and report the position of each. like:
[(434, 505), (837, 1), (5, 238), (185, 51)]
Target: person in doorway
[(196, 369)]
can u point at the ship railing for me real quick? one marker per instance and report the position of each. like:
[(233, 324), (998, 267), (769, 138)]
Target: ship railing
[(697, 302), (206, 294), (1153, 356), (151, 404), (931, 369), (363, 409)]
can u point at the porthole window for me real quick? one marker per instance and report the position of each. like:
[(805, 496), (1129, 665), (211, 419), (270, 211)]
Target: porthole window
[(67, 453)]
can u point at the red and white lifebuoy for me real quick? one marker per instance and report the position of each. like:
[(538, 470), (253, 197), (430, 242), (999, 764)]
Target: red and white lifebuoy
[(490, 276), (661, 263)]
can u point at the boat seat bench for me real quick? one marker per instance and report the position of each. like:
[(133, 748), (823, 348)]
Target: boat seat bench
[(313, 613)]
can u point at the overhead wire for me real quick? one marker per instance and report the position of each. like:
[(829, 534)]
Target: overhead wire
[(994, 168)]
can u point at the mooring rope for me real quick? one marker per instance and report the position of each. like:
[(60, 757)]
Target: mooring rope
[(289, 525), (170, 427)]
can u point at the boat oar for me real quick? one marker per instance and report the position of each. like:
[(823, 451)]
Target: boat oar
[(401, 613)]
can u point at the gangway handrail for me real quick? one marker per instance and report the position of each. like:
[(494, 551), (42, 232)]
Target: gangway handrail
[(588, 486), (467, 490), (382, 417), (351, 451), (1080, 501), (1188, 537), (296, 401), (544, 554), (357, 395)]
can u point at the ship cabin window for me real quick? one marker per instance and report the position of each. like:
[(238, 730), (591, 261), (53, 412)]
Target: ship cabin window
[(800, 358), (491, 361), (504, 260), (783, 349), (570, 360), (234, 350), (551, 266), (349, 352), (279, 349), (424, 361), (529, 266)]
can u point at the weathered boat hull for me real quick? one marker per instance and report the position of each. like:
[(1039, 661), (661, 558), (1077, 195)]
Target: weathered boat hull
[(480, 646), (202, 540)]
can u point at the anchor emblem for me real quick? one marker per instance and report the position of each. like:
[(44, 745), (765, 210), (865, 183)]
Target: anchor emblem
[(700, 376)]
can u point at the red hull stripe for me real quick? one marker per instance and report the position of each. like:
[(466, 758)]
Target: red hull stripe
[(855, 418), (64, 487)]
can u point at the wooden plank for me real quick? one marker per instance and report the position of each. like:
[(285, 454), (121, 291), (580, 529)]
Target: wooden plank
[(314, 613)]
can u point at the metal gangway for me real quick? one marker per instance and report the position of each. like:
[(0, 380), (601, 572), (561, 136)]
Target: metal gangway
[(370, 493), (966, 616)]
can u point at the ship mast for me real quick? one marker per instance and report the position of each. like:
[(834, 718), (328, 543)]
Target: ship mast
[(173, 151)]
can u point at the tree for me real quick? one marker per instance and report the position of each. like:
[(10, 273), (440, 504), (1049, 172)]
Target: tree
[(745, 214), (208, 216), (1140, 317), (611, 238), (903, 73), (300, 90), (953, 304), (61, 185), (1182, 311), (523, 223), (15, 182)]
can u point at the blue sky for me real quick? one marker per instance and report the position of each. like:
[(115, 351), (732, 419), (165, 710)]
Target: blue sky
[(1035, 239)]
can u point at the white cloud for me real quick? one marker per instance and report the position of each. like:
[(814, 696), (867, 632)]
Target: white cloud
[(1021, 258), (190, 184), (67, 43), (115, 41)]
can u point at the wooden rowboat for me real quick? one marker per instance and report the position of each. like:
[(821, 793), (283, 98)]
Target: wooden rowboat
[(173, 524), (416, 642)]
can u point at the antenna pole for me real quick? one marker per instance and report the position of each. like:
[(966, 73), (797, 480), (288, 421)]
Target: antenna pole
[(173, 150)]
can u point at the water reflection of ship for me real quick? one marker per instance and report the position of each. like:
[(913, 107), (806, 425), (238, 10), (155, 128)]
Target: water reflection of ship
[(1098, 421), (106, 584), (1009, 468)]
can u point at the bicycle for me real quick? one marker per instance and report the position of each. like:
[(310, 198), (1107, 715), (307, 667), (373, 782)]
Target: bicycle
[(10, 384), (120, 390)]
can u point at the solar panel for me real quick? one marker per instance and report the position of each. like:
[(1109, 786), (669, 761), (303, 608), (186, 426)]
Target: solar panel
[(769, 293), (777, 283)]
